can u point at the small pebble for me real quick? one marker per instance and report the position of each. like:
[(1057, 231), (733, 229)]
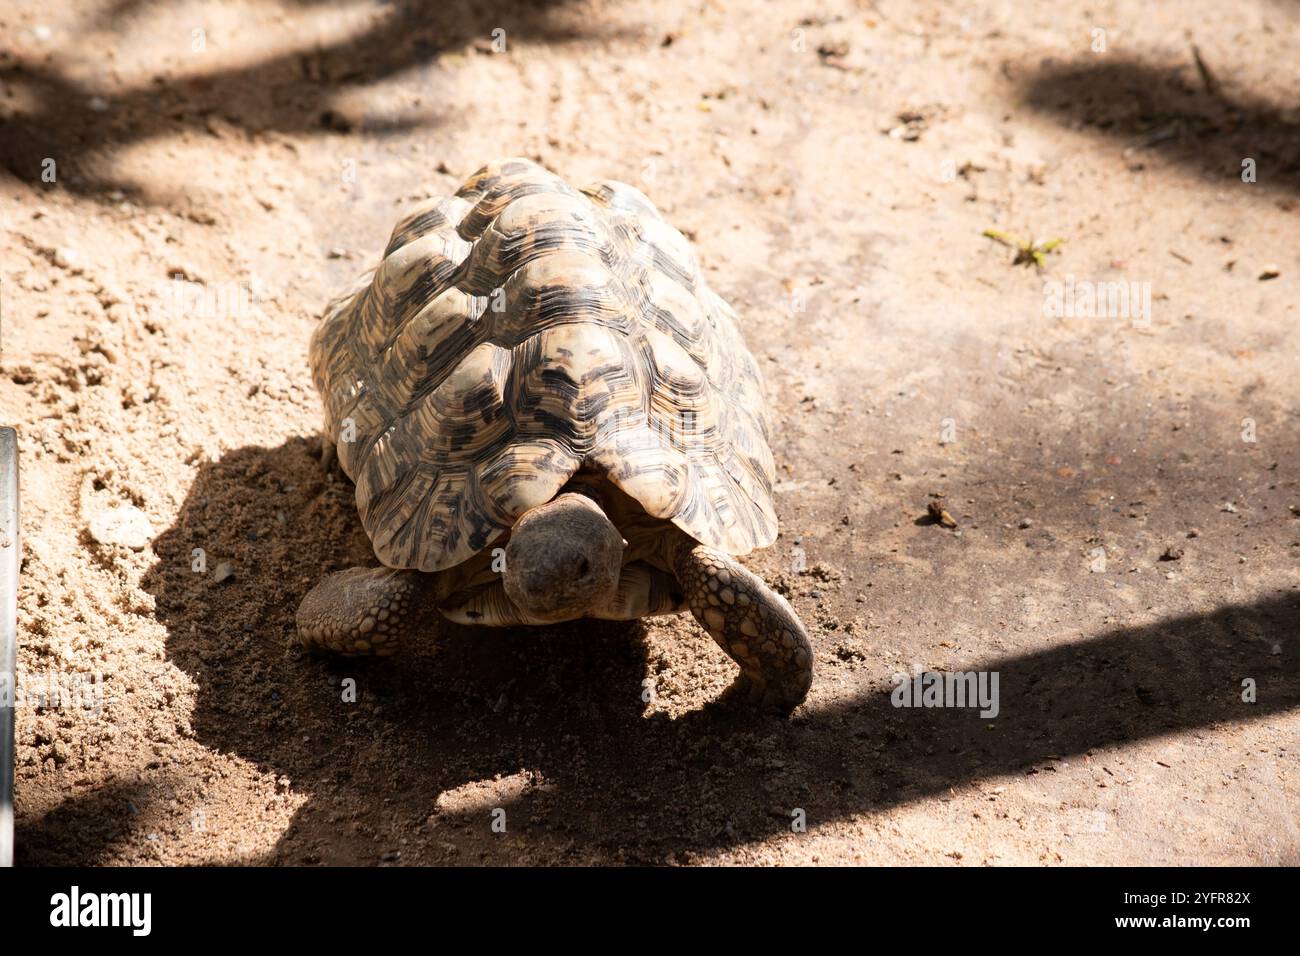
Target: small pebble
[(126, 525), (225, 571), (67, 258)]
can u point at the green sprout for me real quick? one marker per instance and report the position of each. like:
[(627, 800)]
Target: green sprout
[(1026, 252)]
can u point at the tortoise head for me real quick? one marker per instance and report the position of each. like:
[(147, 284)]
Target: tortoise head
[(563, 559)]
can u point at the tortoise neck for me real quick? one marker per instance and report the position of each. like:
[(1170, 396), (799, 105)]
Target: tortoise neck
[(589, 486)]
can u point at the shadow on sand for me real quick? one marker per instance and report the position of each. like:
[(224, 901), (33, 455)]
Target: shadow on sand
[(82, 126), (1168, 111), (563, 705)]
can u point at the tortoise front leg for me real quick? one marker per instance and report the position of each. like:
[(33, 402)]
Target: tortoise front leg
[(363, 610), (755, 626)]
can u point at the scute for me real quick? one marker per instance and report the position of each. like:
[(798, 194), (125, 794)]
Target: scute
[(519, 331)]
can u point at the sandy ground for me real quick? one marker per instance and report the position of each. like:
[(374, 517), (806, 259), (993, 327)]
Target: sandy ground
[(836, 165)]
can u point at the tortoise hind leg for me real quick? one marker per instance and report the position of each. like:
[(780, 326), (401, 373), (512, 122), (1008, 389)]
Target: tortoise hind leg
[(755, 626), (363, 610)]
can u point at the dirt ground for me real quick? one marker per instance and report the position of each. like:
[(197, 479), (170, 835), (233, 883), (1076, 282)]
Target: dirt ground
[(1125, 490)]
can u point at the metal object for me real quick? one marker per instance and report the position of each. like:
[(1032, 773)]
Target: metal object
[(10, 559)]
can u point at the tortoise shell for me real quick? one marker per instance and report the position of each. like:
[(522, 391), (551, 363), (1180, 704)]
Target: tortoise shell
[(519, 332)]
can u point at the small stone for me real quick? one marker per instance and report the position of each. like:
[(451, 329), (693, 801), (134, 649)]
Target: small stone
[(1026, 523), (1172, 553), (939, 514), (125, 525), (1270, 272), (68, 258), (225, 571)]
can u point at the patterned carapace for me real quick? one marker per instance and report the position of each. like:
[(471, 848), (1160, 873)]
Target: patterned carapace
[(523, 330)]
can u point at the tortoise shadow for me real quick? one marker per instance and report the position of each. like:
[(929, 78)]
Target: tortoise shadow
[(549, 725), (375, 740)]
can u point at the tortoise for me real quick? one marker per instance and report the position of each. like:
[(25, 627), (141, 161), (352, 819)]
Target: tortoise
[(548, 415)]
